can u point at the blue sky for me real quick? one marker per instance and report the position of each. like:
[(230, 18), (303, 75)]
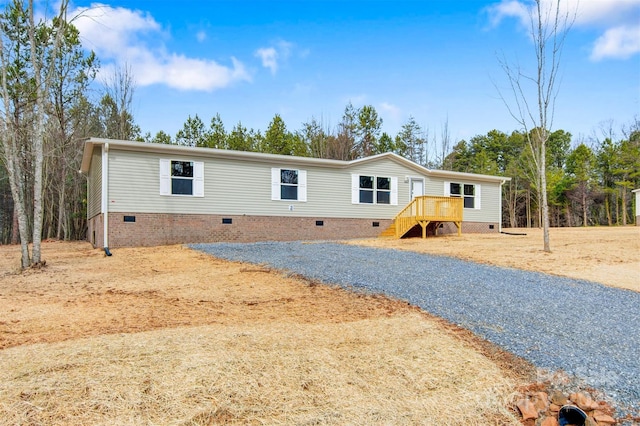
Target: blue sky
[(434, 60)]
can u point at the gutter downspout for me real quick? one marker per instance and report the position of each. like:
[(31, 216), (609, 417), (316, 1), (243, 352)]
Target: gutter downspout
[(500, 209), (105, 198)]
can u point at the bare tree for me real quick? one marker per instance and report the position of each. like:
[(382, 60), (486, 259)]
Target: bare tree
[(549, 26), (70, 113), (342, 146), (27, 58), (116, 105), (445, 145)]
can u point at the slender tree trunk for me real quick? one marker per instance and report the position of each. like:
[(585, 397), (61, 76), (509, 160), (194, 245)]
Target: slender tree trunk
[(584, 207), (11, 153), (528, 208), (38, 140), (513, 199), (20, 155), (544, 201), (61, 203), (15, 233), (18, 203), (624, 206), (548, 30)]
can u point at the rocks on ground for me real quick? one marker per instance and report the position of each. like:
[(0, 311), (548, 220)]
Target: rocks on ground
[(539, 408)]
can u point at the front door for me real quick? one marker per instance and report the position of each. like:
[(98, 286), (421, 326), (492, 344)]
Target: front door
[(417, 188)]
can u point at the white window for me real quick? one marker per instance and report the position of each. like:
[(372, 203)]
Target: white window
[(470, 193), (288, 184), (181, 177), (374, 190)]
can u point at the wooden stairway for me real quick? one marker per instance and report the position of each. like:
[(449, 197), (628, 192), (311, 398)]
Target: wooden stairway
[(422, 211), (390, 232)]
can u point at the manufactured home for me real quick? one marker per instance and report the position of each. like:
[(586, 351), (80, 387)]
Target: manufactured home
[(145, 194)]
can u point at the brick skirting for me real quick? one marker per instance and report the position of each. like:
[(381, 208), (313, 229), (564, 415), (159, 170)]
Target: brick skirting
[(469, 228), (154, 229), (449, 228)]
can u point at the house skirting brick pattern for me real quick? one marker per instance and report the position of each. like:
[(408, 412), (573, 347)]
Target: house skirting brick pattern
[(470, 228), (449, 228), (153, 229)]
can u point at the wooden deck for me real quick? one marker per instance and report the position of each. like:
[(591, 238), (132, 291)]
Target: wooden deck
[(423, 211)]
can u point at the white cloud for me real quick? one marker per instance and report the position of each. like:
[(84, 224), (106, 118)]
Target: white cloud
[(269, 58), (284, 48), (132, 37), (587, 12), (617, 43), (508, 9), (604, 12), (111, 30), (274, 55), (201, 36), (616, 18)]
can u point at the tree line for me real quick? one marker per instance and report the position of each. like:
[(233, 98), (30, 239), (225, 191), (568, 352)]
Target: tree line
[(48, 106), (357, 135), (589, 183)]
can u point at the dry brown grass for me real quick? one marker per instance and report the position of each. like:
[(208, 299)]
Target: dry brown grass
[(608, 255), (398, 370), (171, 336)]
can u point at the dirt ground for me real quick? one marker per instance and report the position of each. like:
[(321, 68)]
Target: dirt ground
[(90, 294), (606, 255), (82, 293), (85, 325)]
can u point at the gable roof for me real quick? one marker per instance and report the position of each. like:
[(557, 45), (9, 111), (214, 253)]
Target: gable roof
[(164, 149)]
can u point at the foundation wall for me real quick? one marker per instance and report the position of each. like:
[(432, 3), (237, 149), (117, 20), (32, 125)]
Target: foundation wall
[(152, 229), (155, 229), (470, 228)]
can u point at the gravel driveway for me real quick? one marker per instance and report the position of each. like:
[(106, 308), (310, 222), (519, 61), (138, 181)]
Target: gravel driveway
[(588, 330)]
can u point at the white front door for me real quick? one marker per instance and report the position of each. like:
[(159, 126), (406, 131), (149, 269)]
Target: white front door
[(417, 188)]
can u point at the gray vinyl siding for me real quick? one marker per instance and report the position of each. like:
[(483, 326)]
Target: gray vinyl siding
[(384, 168), (94, 184), (491, 205), (243, 187), (489, 198)]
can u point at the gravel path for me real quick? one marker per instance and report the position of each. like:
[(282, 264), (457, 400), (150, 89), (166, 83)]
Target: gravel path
[(588, 330)]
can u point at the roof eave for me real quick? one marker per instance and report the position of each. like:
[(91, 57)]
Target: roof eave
[(433, 172), (207, 152), (86, 156), (469, 176), (90, 143)]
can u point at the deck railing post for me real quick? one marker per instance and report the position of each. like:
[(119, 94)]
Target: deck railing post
[(425, 209)]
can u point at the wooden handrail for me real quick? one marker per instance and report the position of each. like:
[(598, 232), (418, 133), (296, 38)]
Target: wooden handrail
[(425, 209)]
